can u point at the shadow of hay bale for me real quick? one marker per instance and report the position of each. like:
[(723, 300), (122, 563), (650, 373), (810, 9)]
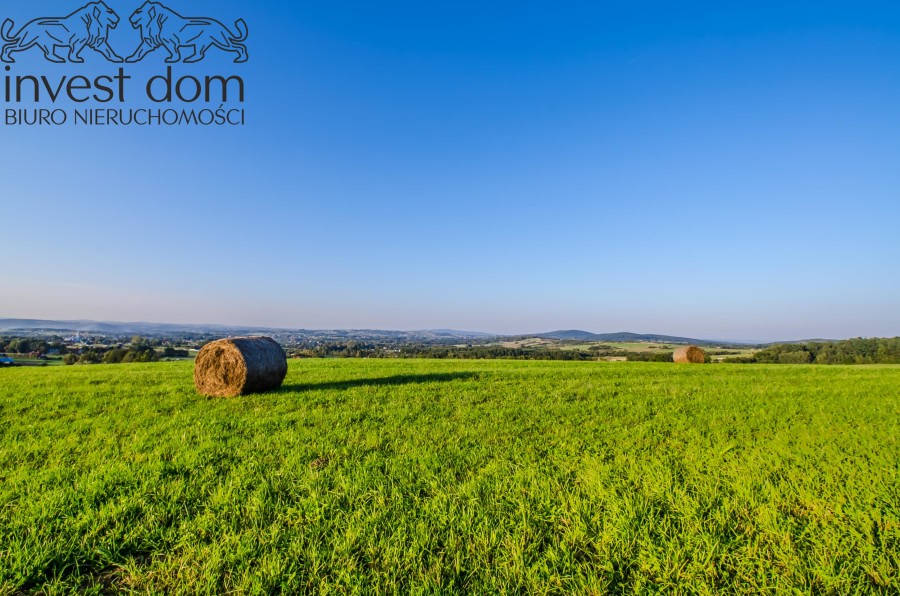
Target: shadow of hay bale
[(380, 381)]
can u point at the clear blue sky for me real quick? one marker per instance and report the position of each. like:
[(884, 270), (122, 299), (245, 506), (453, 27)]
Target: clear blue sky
[(718, 170)]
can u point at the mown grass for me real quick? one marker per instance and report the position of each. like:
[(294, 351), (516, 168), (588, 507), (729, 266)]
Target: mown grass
[(371, 476)]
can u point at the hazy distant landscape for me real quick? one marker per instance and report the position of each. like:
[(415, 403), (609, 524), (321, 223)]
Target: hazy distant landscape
[(161, 329), (46, 343)]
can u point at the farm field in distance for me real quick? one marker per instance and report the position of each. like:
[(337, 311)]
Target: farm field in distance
[(437, 476), (634, 346), (624, 346)]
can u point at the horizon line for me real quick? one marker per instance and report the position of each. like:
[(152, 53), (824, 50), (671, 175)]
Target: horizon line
[(422, 329)]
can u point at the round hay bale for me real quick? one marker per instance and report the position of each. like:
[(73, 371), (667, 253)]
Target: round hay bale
[(239, 365), (689, 355)]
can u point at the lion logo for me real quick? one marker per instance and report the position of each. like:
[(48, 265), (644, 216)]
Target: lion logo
[(87, 27), (163, 27)]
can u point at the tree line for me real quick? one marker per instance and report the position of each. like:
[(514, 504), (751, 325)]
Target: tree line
[(851, 351), (21, 345), (358, 349), (138, 350)]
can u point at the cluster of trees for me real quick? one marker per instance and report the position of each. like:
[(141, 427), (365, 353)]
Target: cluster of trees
[(851, 351), (349, 349), (139, 350), (356, 349), (22, 345), (493, 352), (649, 356), (141, 353)]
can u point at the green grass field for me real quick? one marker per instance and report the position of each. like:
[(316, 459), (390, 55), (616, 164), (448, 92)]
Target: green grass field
[(412, 476)]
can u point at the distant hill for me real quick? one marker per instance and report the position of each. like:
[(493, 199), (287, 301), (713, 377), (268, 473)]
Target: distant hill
[(578, 335), (457, 333), (428, 335)]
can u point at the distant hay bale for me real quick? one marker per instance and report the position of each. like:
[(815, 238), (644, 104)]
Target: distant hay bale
[(689, 355), (238, 366)]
